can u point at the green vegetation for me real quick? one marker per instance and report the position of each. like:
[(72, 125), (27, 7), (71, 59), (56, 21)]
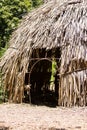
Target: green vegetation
[(54, 65), (11, 11), (36, 3), (2, 50)]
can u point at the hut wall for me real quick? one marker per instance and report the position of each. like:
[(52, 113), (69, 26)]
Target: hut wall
[(73, 89), (73, 76), (13, 70)]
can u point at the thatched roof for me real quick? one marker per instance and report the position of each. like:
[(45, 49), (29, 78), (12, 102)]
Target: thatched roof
[(53, 24), (58, 23)]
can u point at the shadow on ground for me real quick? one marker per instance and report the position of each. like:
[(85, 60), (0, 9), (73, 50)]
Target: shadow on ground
[(4, 128)]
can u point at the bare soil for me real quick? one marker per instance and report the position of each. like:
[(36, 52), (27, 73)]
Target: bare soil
[(26, 117)]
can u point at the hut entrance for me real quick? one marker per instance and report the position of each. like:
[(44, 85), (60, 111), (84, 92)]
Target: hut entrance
[(44, 80)]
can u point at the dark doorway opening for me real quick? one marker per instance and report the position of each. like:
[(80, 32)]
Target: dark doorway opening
[(41, 92), (44, 88)]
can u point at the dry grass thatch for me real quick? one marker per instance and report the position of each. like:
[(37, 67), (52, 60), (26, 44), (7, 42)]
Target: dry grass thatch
[(59, 23)]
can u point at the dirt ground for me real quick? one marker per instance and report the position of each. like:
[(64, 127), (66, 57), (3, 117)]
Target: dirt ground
[(26, 117)]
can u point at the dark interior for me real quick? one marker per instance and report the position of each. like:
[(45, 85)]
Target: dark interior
[(39, 78)]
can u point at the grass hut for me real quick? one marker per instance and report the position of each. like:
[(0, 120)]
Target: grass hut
[(56, 31)]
